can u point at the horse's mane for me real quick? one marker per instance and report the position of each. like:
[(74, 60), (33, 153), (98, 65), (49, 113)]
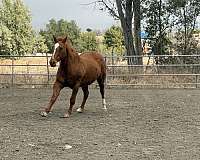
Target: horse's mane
[(68, 43)]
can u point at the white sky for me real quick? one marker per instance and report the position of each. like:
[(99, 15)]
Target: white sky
[(86, 16)]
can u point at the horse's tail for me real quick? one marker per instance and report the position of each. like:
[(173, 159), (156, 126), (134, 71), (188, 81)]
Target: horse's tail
[(103, 68), (102, 80)]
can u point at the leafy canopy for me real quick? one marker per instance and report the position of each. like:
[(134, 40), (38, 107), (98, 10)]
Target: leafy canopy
[(113, 40), (16, 33)]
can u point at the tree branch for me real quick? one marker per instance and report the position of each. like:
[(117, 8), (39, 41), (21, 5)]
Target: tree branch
[(110, 8)]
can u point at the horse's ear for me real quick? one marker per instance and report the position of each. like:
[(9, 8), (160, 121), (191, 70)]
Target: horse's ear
[(65, 39), (55, 39)]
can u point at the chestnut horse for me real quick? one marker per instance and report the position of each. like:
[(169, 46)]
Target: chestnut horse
[(75, 71)]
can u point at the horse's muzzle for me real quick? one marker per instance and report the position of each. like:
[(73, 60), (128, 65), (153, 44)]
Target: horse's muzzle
[(52, 63)]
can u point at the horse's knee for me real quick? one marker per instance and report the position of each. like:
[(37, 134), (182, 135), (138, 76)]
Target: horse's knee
[(102, 88), (86, 93), (72, 101)]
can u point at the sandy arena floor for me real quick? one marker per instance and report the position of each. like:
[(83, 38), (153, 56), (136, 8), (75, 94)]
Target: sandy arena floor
[(139, 125)]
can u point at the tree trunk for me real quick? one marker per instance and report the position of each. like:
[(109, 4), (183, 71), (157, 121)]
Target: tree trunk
[(160, 28), (185, 31), (126, 23), (128, 35), (137, 30)]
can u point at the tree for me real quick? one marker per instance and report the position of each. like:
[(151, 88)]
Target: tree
[(176, 18), (60, 28), (15, 22), (185, 13), (137, 26), (39, 44), (6, 40), (87, 42), (124, 11), (113, 40), (158, 23)]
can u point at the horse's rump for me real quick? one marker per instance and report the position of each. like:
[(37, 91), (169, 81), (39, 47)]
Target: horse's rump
[(92, 58)]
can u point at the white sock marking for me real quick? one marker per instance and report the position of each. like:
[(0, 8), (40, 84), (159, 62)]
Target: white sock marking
[(79, 110), (104, 103)]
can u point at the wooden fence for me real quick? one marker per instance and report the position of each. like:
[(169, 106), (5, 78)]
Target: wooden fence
[(175, 71)]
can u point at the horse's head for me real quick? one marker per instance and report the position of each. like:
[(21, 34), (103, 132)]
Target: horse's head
[(59, 52)]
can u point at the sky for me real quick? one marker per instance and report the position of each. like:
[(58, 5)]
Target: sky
[(86, 16)]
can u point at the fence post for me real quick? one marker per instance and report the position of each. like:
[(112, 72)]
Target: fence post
[(105, 58), (113, 69), (12, 78), (196, 75), (48, 78), (196, 81)]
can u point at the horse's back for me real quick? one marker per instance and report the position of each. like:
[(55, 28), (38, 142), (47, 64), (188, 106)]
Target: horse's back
[(93, 56), (94, 59)]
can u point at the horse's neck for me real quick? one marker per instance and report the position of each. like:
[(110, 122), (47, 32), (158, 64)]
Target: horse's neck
[(72, 56), (72, 59)]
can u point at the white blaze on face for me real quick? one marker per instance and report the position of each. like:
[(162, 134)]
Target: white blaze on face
[(55, 47)]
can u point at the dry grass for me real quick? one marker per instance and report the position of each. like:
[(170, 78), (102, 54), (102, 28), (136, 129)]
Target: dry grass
[(28, 69), (148, 81), (25, 74), (42, 79)]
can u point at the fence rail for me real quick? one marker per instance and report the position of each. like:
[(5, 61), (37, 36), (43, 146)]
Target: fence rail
[(175, 71)]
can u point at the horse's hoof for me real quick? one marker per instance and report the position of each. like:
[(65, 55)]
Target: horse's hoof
[(79, 110), (65, 116), (43, 114), (104, 108)]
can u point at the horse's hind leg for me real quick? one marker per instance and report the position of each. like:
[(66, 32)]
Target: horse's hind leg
[(86, 93), (102, 90), (72, 101), (56, 91)]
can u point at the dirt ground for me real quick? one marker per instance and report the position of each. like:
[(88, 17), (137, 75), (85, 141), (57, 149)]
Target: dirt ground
[(139, 125)]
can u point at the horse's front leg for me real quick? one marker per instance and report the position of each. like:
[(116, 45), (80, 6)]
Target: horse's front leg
[(56, 91), (72, 101)]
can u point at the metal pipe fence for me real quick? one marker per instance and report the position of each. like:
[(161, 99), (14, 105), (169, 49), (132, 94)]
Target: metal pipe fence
[(156, 71)]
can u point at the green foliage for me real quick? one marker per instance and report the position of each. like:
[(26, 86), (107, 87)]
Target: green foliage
[(185, 13), (87, 42), (113, 40), (60, 28), (81, 41), (16, 30), (196, 31), (178, 16), (39, 44), (158, 24), (6, 40)]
